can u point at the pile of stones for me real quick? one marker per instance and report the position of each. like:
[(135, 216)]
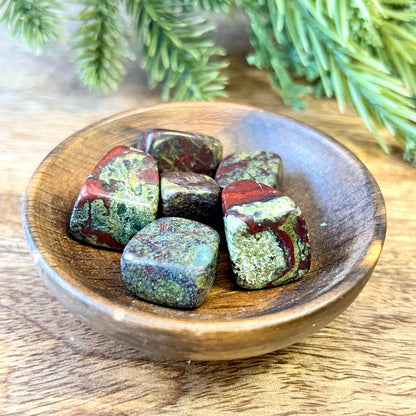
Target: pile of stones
[(165, 203)]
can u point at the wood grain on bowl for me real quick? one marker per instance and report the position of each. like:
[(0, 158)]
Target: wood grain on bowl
[(340, 200)]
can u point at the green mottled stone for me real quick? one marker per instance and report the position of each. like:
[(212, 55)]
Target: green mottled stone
[(119, 198), (260, 166), (172, 262), (266, 236)]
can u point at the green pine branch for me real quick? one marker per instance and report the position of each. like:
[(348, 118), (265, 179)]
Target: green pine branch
[(359, 73), (35, 22), (270, 54), (100, 47), (217, 6), (178, 48)]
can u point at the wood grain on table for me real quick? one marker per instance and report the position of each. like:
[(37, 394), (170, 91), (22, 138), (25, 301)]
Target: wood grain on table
[(52, 364)]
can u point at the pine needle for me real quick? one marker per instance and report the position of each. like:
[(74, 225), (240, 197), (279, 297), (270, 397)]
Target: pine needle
[(182, 56), (35, 22), (100, 47)]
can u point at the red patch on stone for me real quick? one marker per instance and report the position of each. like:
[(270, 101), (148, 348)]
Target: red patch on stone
[(245, 192), (94, 188), (101, 237), (149, 175), (111, 155)]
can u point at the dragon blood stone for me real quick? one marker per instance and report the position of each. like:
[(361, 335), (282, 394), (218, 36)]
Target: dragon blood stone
[(190, 195), (118, 198), (260, 166), (172, 262), (266, 235), (176, 150)]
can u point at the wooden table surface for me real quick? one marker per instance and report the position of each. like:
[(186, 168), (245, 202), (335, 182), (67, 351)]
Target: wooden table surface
[(362, 363)]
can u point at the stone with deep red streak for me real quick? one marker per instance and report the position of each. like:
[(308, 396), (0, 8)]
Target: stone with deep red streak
[(118, 198), (181, 151), (261, 166), (266, 234)]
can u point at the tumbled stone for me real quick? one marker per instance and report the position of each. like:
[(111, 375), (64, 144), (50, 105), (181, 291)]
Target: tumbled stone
[(190, 195), (118, 198), (176, 150), (260, 166), (266, 235), (172, 262)]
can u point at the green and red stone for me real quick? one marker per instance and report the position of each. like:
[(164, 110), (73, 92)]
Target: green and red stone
[(172, 262), (266, 235), (190, 195), (118, 199), (181, 151), (260, 166)]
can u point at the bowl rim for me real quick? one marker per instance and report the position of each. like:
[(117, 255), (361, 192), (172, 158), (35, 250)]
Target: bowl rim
[(359, 272)]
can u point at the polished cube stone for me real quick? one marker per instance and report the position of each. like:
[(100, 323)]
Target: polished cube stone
[(260, 166), (118, 198), (172, 262), (190, 195), (181, 151), (266, 235)]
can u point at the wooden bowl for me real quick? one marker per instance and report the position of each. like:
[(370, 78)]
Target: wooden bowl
[(340, 199)]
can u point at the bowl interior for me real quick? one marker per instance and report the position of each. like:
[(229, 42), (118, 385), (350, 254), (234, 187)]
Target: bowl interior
[(337, 195)]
